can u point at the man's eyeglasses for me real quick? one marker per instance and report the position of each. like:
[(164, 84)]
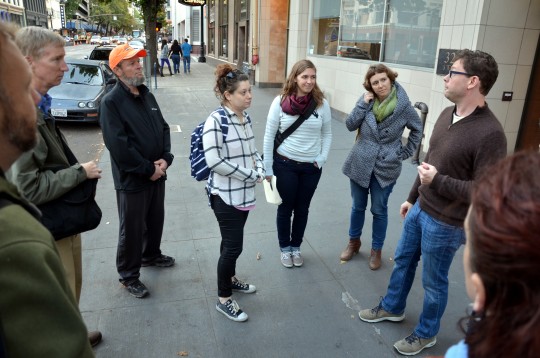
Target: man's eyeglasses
[(452, 72)]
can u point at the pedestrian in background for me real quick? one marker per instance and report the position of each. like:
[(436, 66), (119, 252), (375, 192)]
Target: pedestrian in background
[(374, 163), (501, 261), (165, 56), (297, 163), (466, 138), (39, 316), (236, 167), (176, 53), (186, 55), (139, 141), (36, 172)]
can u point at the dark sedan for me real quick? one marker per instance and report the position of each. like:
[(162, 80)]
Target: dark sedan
[(77, 98)]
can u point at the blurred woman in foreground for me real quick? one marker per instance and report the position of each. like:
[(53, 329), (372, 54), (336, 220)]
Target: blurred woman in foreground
[(502, 261)]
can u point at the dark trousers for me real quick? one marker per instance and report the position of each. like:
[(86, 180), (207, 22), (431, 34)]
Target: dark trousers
[(141, 216), (231, 225), (296, 184)]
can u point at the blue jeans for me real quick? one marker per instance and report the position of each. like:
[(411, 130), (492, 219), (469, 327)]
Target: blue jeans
[(437, 243), (379, 209), (187, 60), (176, 62), (296, 184), (163, 62)]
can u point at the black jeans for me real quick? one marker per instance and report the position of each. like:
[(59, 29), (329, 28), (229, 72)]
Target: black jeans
[(141, 215), (231, 225), (296, 184)]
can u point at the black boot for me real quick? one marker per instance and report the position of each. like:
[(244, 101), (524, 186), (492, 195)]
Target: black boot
[(170, 70), (161, 72)]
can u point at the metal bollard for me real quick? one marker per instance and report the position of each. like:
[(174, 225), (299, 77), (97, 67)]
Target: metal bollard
[(423, 114)]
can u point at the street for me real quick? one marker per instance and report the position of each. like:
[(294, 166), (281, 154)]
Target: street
[(84, 139)]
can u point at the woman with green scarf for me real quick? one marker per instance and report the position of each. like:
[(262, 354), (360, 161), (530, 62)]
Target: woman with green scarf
[(374, 163)]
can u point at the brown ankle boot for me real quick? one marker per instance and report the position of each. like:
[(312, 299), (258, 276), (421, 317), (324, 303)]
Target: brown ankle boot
[(375, 259), (352, 249)]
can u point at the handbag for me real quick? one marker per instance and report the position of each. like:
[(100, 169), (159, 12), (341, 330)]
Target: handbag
[(271, 192), (75, 211), (280, 137)]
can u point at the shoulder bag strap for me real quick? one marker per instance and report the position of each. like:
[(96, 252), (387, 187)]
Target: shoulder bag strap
[(309, 111)]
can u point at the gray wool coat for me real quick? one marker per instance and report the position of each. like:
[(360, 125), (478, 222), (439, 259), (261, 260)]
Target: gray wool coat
[(379, 149)]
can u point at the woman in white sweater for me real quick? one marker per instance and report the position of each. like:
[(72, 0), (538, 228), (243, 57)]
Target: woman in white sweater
[(297, 162)]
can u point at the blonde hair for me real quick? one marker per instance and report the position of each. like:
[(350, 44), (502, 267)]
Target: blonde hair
[(32, 39)]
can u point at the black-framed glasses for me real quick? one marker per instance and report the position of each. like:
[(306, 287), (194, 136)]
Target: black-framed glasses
[(452, 72)]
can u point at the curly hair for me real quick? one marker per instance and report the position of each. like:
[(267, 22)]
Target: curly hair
[(227, 80), (378, 68), (504, 243), (290, 86)]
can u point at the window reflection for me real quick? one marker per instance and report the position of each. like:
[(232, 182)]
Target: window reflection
[(394, 31), (90, 75)]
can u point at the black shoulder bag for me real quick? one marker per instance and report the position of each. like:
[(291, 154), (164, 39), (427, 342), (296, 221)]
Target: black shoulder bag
[(280, 137), (74, 212)]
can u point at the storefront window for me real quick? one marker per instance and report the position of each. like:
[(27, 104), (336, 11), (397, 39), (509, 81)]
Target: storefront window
[(394, 31), (223, 29)]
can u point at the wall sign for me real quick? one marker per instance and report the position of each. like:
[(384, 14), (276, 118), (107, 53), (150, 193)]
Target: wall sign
[(445, 61), (192, 2)]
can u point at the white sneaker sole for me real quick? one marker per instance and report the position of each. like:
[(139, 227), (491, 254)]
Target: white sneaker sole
[(241, 318), (430, 344), (375, 320)]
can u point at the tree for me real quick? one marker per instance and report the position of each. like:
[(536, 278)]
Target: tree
[(150, 10)]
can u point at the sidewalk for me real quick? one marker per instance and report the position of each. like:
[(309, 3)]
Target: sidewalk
[(301, 312)]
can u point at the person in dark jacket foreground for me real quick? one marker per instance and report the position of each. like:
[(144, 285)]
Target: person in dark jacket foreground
[(39, 316), (139, 142), (466, 138)]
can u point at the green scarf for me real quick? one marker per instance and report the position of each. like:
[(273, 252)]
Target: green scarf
[(385, 108)]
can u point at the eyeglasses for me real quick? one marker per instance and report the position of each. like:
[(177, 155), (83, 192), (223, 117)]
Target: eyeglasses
[(452, 72)]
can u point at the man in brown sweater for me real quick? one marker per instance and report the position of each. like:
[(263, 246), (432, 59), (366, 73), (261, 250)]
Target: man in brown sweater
[(466, 138)]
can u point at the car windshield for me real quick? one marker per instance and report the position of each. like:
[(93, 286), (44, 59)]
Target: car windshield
[(100, 55), (83, 74)]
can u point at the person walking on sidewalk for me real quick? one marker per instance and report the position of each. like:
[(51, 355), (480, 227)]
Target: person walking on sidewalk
[(297, 163), (501, 261), (176, 53), (36, 172), (165, 56), (236, 167), (374, 163), (186, 55), (139, 142), (39, 314), (465, 139)]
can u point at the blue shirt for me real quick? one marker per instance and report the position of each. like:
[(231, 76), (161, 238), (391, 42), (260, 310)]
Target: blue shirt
[(45, 103), (460, 350), (186, 49)]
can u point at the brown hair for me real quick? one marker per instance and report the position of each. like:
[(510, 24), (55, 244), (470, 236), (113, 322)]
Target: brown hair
[(481, 64), (378, 68), (290, 86), (7, 31), (227, 79), (505, 252)]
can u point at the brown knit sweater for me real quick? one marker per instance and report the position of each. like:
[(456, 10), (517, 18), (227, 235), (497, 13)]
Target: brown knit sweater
[(459, 152)]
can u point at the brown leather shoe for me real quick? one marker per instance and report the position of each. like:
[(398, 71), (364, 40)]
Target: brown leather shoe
[(94, 337), (352, 249), (375, 259)]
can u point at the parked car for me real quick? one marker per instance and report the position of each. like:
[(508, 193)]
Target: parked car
[(114, 39), (137, 45), (352, 52), (100, 53), (105, 40), (95, 40), (121, 41), (79, 95)]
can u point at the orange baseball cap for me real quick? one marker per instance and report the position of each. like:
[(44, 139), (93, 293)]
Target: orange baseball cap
[(124, 52)]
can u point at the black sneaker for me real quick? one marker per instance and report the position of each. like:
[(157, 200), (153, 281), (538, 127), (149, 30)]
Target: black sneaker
[(136, 289), (160, 261), (243, 287), (231, 310)]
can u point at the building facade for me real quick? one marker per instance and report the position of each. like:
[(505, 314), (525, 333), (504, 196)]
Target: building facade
[(12, 11), (415, 38)]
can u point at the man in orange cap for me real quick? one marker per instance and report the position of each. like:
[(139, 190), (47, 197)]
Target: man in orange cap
[(139, 142)]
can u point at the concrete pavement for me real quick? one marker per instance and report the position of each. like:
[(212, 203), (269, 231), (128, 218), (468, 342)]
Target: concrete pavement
[(301, 312)]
